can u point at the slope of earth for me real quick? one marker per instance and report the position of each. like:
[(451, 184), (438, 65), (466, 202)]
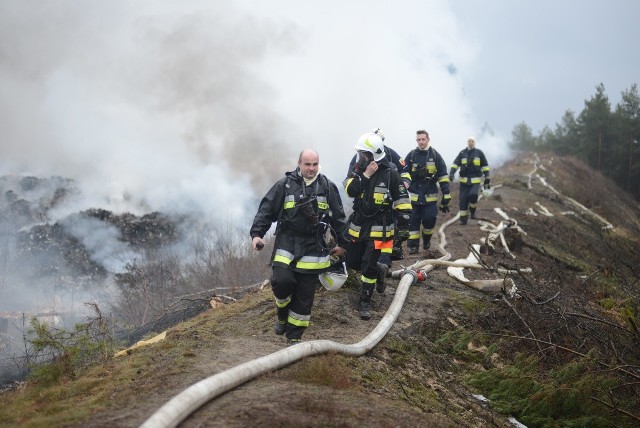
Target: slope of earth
[(579, 297)]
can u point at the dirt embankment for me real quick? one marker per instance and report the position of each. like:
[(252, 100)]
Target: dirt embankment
[(415, 376)]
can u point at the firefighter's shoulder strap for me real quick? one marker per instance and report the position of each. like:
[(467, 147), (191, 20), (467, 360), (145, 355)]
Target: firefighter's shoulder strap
[(414, 152)]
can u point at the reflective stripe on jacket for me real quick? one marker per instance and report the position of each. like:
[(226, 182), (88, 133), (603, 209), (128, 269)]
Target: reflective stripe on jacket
[(374, 200), (473, 166), (425, 171), (299, 211)]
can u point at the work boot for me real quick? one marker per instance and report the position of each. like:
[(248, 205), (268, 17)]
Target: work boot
[(413, 250), (292, 342), (382, 273), (463, 220), (364, 310), (280, 327), (426, 245), (473, 214)]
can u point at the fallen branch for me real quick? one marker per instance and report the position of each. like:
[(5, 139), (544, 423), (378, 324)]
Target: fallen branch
[(616, 408)]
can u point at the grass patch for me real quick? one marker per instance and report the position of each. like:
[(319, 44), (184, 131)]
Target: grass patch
[(570, 395), (328, 370)]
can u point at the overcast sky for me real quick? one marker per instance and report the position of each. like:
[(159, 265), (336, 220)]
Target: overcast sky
[(202, 105)]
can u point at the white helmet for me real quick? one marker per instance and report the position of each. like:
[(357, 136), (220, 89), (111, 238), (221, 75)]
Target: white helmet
[(371, 143), (378, 132), (335, 279)]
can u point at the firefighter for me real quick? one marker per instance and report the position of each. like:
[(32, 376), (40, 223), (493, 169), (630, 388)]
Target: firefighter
[(398, 162), (306, 206), (377, 190), (424, 172), (473, 166)]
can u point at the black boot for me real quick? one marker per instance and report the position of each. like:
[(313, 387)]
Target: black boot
[(463, 220), (280, 327), (364, 310), (281, 320), (473, 214), (426, 245), (366, 290), (382, 273)]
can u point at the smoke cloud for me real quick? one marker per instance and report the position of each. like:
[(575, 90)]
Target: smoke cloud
[(200, 106)]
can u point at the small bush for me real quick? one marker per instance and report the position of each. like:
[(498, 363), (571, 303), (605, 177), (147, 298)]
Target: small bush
[(60, 353)]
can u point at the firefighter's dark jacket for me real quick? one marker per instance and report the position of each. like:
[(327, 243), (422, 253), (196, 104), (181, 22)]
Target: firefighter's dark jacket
[(300, 211), (472, 164), (374, 200), (424, 171)]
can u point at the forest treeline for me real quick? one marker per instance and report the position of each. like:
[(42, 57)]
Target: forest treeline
[(606, 139)]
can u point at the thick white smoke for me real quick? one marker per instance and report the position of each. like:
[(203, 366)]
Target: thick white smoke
[(200, 106)]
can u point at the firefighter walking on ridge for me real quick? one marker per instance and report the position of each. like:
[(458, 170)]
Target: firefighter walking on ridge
[(473, 165), (377, 190), (305, 204), (424, 173)]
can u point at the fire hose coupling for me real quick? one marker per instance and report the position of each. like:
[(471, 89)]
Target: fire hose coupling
[(419, 275)]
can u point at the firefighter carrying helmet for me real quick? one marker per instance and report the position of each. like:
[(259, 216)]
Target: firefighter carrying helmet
[(334, 279), (371, 143)]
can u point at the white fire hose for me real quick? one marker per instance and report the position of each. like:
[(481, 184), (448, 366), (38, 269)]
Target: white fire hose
[(188, 401), (182, 405)]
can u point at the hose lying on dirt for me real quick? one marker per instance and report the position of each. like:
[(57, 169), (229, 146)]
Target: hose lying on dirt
[(505, 285), (455, 268), (182, 405)]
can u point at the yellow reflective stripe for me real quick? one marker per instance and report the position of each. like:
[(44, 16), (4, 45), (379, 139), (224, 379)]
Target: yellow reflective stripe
[(485, 169), (283, 257), (406, 175), (414, 235), (289, 202), (386, 250), (454, 166), (298, 320), (476, 161), (322, 203), (427, 232), (443, 179), (308, 262), (346, 182), (367, 280), (403, 206), (281, 303), (476, 180), (447, 196), (432, 198), (379, 198)]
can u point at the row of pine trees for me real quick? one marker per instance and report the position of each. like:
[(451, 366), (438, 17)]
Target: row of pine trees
[(606, 139)]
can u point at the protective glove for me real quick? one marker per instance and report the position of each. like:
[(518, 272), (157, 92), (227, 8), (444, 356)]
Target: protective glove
[(444, 205), (487, 183)]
